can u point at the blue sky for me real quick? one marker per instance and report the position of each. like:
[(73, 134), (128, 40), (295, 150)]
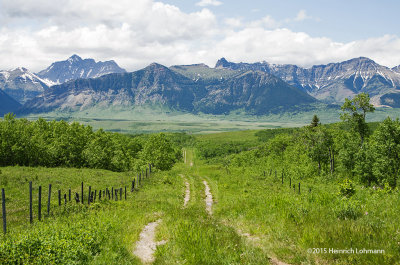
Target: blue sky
[(136, 33), (340, 20)]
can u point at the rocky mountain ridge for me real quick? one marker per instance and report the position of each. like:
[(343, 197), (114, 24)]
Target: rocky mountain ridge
[(333, 82), (254, 91), (75, 67), (21, 84)]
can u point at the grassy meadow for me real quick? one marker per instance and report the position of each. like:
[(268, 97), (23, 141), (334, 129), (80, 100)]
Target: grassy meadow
[(277, 197), (150, 119)]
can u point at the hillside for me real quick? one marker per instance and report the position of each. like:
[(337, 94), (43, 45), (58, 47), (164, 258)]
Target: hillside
[(21, 84), (334, 82), (7, 104), (256, 92)]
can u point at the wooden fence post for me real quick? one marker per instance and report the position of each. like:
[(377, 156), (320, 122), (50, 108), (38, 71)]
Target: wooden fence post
[(95, 195), (69, 194), (48, 201), (40, 204), (294, 187), (112, 193), (146, 173), (59, 197), (282, 177), (290, 182), (65, 199), (125, 193), (100, 195), (3, 202), (30, 202), (120, 194), (76, 197), (299, 187), (116, 194)]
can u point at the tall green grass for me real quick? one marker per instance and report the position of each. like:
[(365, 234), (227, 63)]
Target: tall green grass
[(288, 223)]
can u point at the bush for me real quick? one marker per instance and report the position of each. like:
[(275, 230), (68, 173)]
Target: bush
[(346, 188), (348, 209), (69, 244)]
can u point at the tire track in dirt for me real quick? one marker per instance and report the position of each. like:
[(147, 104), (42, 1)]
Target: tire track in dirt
[(146, 245), (187, 192), (209, 199)]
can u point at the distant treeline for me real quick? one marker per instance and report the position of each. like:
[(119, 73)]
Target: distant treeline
[(367, 153), (62, 144)]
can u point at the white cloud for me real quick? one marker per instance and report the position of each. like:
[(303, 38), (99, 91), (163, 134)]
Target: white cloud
[(209, 3), (302, 15), (283, 46), (265, 22), (233, 22), (136, 34)]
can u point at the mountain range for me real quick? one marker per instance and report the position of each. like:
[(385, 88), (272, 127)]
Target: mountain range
[(254, 91), (334, 82), (23, 85), (257, 88)]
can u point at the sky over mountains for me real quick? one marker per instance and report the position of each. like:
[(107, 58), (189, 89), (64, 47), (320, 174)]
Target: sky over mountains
[(136, 33)]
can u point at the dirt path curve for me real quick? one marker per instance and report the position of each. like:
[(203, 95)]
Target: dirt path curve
[(146, 245), (209, 199)]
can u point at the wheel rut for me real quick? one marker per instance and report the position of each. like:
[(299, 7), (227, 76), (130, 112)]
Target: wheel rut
[(147, 245), (209, 198)]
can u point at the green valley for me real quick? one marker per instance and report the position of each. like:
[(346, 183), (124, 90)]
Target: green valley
[(313, 194)]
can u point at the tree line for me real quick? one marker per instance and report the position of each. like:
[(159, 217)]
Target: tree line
[(62, 144), (349, 149)]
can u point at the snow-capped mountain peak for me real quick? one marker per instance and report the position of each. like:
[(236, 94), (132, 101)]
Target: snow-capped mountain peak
[(75, 67), (21, 84)]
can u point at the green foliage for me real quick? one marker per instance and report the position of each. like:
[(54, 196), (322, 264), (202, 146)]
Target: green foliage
[(160, 151), (181, 139), (346, 188), (266, 135), (212, 149), (354, 112), (315, 121), (76, 243), (58, 143), (348, 209), (385, 149), (318, 143)]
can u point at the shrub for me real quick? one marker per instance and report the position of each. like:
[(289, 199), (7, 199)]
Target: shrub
[(346, 188), (348, 209)]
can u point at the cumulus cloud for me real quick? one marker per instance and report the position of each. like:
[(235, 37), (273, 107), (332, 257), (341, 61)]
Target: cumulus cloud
[(209, 3), (283, 46), (134, 34)]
